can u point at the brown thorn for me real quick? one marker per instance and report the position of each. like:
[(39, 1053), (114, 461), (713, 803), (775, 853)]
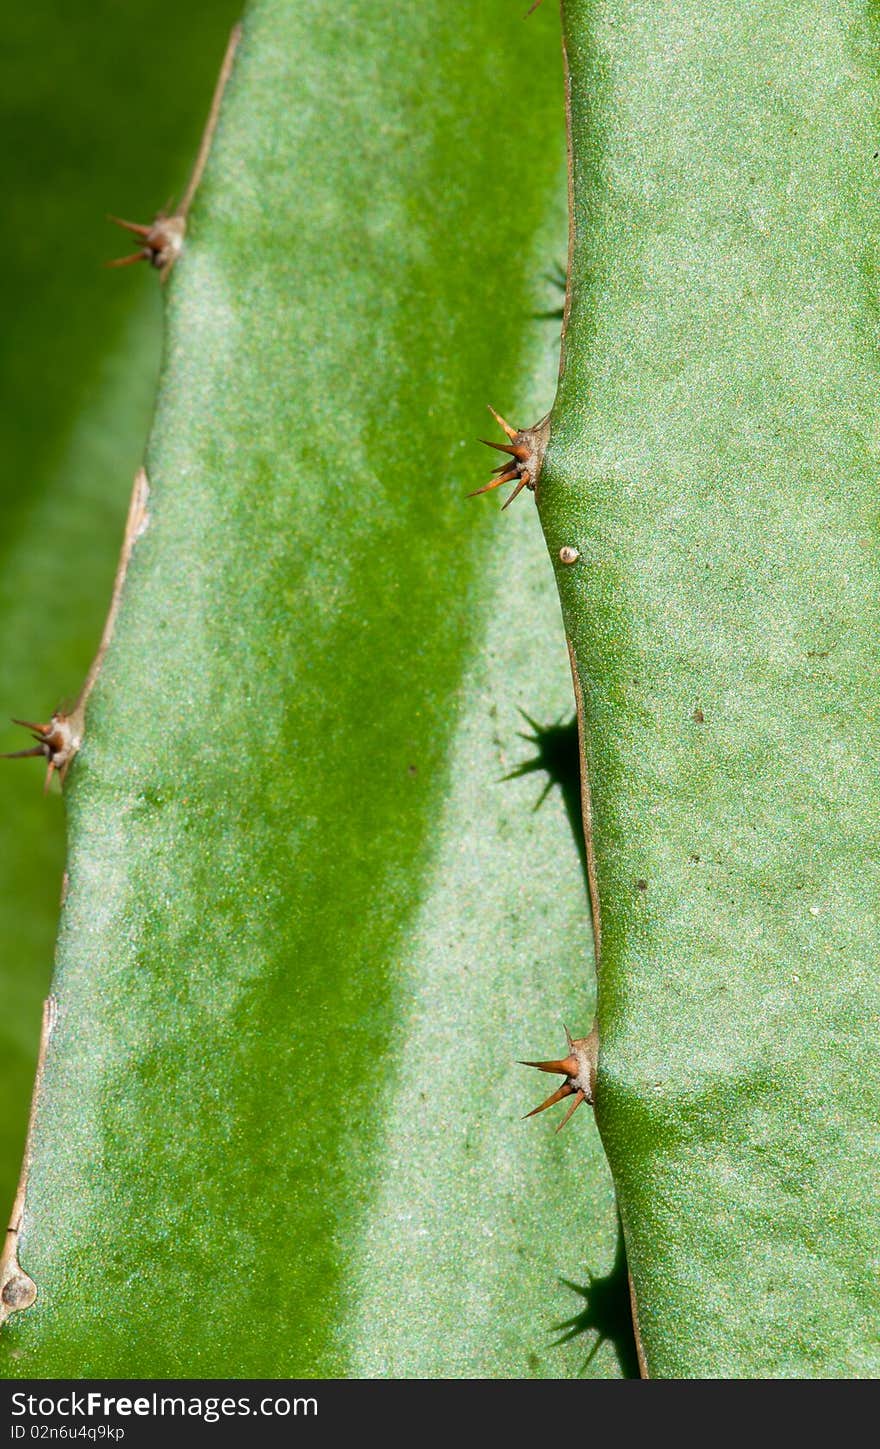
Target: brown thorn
[(525, 480), (49, 773), (24, 754), (569, 1067), (520, 451), (143, 256), (564, 1091), (505, 426), (134, 226), (495, 483), (578, 1098), (28, 724), (500, 447)]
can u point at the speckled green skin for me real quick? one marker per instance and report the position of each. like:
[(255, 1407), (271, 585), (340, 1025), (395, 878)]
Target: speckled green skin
[(714, 457), (78, 373), (310, 924)]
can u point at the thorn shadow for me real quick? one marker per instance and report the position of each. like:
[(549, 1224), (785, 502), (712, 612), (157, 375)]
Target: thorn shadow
[(558, 757), (606, 1313), (558, 278)]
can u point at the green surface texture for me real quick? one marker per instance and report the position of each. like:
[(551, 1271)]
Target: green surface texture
[(78, 373), (714, 457), (310, 923)]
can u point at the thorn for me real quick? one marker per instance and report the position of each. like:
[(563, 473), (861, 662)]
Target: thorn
[(163, 242), (568, 1067), (564, 1091), (520, 452), (579, 1097), (579, 1070), (511, 432), (134, 226), (524, 482), (57, 742), (143, 256), (495, 483), (525, 454)]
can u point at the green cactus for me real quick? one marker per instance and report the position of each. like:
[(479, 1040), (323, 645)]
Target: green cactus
[(313, 915), (313, 912), (713, 460)]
